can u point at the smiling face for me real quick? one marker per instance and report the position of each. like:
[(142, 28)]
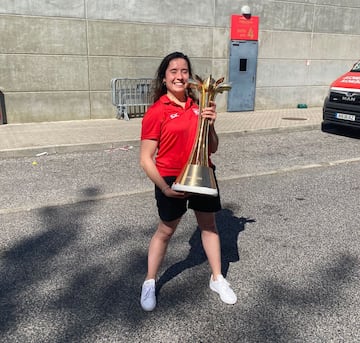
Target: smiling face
[(176, 77)]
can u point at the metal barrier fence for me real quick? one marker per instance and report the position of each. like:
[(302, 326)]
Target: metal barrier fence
[(130, 96)]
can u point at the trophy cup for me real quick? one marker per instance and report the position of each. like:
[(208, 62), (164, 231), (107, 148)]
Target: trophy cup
[(196, 176)]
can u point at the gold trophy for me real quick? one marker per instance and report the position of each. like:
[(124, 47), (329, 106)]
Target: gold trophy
[(197, 176)]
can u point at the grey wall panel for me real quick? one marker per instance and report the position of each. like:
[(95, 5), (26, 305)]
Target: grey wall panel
[(316, 95), (34, 73), (101, 106), (335, 46), (323, 72), (281, 73), (275, 97), (303, 1), (128, 39), (57, 8), (281, 44), (47, 106), (287, 16), (103, 69), (154, 11), (221, 41), (340, 20), (337, 3), (220, 68), (280, 97), (33, 35), (202, 67)]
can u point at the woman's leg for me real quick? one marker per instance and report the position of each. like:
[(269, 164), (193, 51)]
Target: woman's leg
[(210, 240), (158, 246)]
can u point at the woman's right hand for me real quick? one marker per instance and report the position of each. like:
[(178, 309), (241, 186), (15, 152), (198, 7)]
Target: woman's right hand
[(169, 192)]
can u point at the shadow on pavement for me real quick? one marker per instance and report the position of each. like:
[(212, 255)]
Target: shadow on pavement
[(282, 308), (29, 261), (229, 227), (86, 296)]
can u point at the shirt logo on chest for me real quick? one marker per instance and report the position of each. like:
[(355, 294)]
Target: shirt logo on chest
[(174, 115), (196, 111)]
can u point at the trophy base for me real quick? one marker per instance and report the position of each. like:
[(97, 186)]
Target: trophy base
[(195, 189), (196, 179)]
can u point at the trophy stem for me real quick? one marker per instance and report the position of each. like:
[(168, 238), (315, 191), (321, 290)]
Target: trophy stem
[(201, 151)]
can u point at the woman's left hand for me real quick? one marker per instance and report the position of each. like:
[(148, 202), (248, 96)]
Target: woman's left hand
[(210, 113)]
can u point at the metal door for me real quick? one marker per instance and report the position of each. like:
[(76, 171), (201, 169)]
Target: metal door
[(242, 75)]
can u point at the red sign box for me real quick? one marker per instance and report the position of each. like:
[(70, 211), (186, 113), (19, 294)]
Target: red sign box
[(244, 28)]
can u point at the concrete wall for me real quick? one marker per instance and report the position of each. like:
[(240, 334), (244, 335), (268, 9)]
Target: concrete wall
[(57, 57)]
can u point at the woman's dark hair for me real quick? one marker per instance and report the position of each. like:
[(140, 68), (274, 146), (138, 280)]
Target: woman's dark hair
[(159, 87)]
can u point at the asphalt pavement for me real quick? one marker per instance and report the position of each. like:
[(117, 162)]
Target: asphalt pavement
[(29, 139), (75, 230)]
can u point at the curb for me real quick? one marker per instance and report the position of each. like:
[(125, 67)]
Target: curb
[(64, 149)]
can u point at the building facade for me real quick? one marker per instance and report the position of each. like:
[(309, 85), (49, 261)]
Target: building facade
[(57, 57)]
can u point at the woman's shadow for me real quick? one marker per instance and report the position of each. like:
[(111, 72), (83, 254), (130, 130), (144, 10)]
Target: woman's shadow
[(229, 227)]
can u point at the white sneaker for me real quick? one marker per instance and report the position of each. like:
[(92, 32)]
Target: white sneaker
[(148, 298), (222, 287)]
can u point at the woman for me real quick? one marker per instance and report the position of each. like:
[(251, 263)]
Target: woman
[(168, 133)]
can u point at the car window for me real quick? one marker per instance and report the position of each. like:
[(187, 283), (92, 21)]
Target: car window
[(356, 67)]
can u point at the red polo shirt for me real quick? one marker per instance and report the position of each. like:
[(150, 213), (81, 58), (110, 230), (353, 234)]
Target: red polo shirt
[(174, 128)]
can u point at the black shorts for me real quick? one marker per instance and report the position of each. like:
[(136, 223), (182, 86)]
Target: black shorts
[(173, 208)]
